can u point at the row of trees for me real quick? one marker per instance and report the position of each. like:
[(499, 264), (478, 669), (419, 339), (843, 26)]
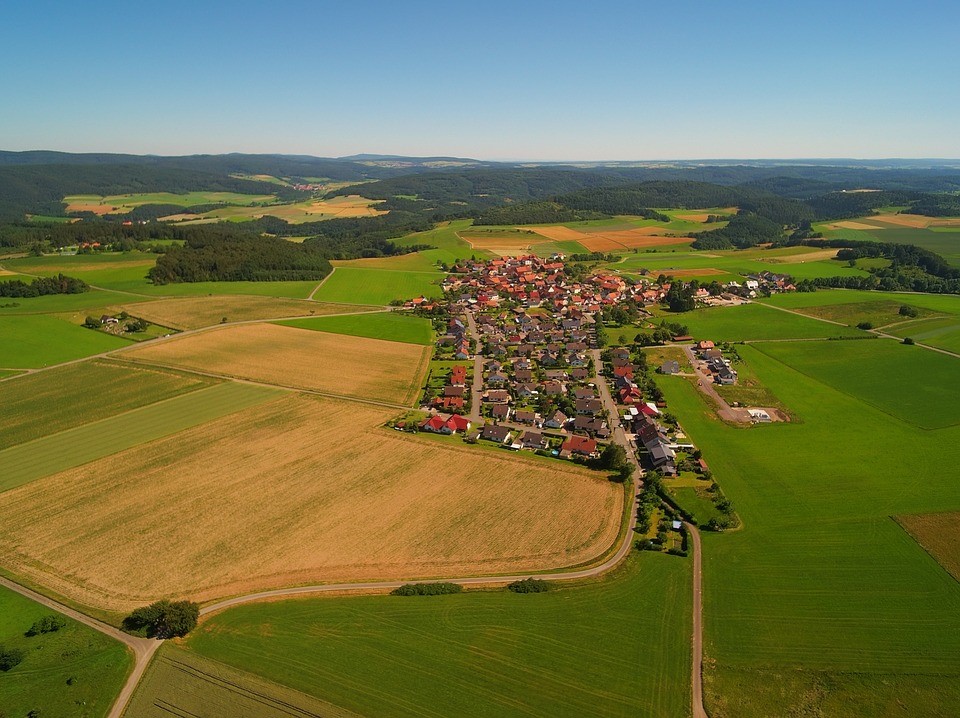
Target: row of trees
[(42, 286)]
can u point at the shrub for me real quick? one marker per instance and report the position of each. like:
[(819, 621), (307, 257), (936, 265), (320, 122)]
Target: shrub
[(47, 624), (907, 311), (865, 326), (10, 658), (426, 589), (529, 585), (163, 619), (676, 552), (908, 341)]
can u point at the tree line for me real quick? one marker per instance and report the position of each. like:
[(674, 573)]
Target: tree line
[(42, 286)]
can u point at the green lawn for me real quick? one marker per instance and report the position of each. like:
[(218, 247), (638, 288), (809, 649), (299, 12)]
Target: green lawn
[(51, 401), (391, 326), (74, 671), (30, 341), (911, 383), (620, 647), (93, 440), (349, 285), (822, 604)]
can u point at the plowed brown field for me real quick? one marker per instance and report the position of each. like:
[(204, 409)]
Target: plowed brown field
[(299, 358), (300, 490)]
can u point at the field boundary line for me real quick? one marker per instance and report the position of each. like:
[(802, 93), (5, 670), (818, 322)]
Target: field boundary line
[(317, 288)]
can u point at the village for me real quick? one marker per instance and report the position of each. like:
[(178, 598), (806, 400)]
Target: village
[(523, 364)]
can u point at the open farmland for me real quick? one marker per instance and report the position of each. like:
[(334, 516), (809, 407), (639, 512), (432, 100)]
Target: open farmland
[(34, 341), (51, 401), (821, 604), (196, 312), (910, 383), (291, 492), (74, 671), (879, 313), (938, 234), (292, 212), (619, 647), (183, 683), (352, 285), (390, 326), (939, 534), (298, 358), (123, 203), (90, 441)]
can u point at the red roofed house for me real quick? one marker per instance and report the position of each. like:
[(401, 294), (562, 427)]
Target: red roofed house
[(582, 445)]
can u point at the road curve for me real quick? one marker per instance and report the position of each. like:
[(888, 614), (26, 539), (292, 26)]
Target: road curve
[(696, 669), (143, 648)]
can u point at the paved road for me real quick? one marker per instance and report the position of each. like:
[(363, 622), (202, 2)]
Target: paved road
[(143, 648), (476, 390), (696, 671)]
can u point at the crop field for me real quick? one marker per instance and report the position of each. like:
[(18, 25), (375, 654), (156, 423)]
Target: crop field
[(291, 492), (939, 534), (389, 326), (34, 341), (291, 212), (945, 303), (909, 383), (752, 322), (422, 261), (182, 683), (943, 333), (51, 401), (123, 203), (821, 604), (879, 313), (52, 453), (614, 648), (197, 312), (351, 285), (92, 302), (299, 358), (74, 671), (936, 234)]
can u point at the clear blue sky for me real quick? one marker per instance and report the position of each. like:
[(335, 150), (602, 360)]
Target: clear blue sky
[(495, 80)]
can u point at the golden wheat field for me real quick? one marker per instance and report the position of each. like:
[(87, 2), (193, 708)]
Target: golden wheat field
[(303, 489), (299, 358), (196, 312)]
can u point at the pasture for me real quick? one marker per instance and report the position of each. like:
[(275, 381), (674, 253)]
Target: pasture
[(35, 341), (184, 683), (123, 203), (297, 491), (355, 367), (92, 302), (74, 671), (912, 384), (311, 210), (939, 534), (619, 647), (51, 401), (197, 312), (821, 598), (352, 285), (92, 440), (879, 312), (938, 234), (943, 333), (390, 326)]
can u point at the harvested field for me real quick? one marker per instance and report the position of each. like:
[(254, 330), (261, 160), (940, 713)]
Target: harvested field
[(299, 490), (196, 312), (903, 220), (558, 233), (816, 256), (700, 272), (853, 225), (299, 358), (505, 246), (939, 534), (694, 216)]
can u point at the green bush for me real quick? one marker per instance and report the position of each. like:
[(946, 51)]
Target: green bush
[(908, 341), (10, 658), (426, 589), (163, 619), (529, 585), (47, 624), (865, 326)]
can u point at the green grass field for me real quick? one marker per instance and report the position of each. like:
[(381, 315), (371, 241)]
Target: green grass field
[(51, 401), (125, 202), (449, 246), (879, 312), (182, 683), (614, 648), (912, 384), (943, 240), (349, 285), (92, 302), (381, 325), (75, 671), (89, 441), (821, 604), (34, 341), (943, 333)]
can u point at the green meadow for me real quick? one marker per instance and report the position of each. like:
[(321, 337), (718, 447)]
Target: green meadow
[(380, 325), (942, 240), (349, 285), (910, 383), (51, 401), (620, 647), (93, 302), (943, 333), (74, 671), (93, 440), (34, 341), (822, 604), (126, 202)]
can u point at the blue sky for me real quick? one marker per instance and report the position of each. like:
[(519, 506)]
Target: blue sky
[(496, 80)]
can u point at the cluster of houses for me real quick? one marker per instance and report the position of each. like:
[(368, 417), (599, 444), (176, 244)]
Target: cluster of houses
[(713, 360), (455, 394)]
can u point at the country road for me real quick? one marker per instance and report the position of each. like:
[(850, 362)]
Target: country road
[(696, 669), (142, 648)]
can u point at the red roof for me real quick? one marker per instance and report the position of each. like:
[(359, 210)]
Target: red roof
[(579, 444), (458, 423)]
